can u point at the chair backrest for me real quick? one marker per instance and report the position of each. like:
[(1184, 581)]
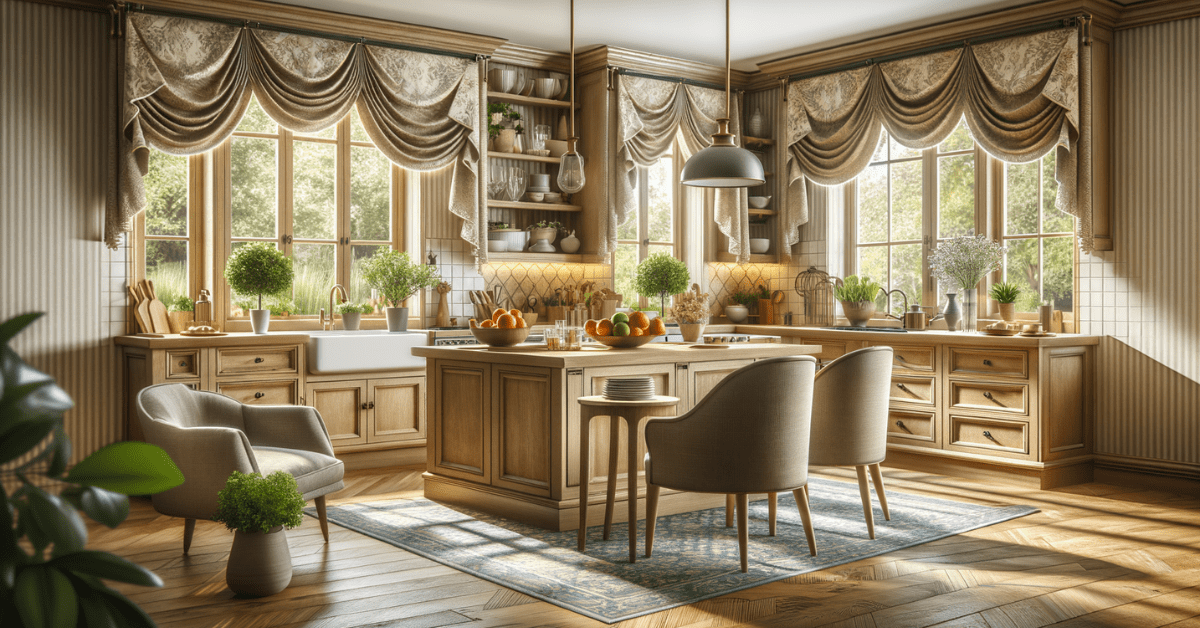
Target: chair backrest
[(181, 406), (749, 434), (850, 409)]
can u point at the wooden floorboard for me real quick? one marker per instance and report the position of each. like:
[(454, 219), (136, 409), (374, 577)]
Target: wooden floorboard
[(1096, 555)]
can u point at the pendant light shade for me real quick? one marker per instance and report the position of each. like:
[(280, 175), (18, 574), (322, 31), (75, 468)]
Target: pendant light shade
[(724, 164), (570, 167)]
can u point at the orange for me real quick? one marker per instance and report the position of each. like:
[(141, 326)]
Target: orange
[(639, 320), (474, 323), (521, 323), (515, 313), (488, 324), (590, 327), (506, 321), (498, 313), (604, 328), (636, 331), (657, 327)]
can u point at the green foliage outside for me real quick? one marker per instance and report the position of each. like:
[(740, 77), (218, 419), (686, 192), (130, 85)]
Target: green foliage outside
[(181, 303), (47, 576), (397, 277), (251, 503), (353, 308), (1005, 292), (259, 269), (661, 274), (856, 290)]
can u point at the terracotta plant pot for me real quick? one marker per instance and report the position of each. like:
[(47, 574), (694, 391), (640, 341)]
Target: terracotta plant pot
[(691, 331), (858, 313), (397, 318), (259, 564), (1008, 312)]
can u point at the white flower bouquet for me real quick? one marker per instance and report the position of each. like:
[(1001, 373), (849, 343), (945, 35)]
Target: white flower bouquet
[(961, 263)]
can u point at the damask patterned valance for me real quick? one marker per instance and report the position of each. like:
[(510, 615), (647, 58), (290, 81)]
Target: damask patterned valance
[(1020, 97), (188, 83), (650, 113)]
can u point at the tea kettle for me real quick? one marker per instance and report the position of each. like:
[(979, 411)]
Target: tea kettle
[(916, 319)]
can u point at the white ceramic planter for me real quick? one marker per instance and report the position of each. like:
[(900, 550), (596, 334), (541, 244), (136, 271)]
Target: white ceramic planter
[(858, 313), (350, 322), (260, 320), (397, 318), (259, 564), (691, 331), (737, 313)]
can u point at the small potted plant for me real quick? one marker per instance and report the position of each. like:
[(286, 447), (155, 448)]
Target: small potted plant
[(352, 314), (660, 275), (503, 126), (544, 230), (179, 311), (1006, 295), (858, 299), (691, 312), (397, 278), (257, 509), (738, 309), (258, 268)]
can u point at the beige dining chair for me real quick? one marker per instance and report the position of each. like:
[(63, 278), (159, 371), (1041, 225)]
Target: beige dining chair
[(748, 435), (209, 436), (849, 420)]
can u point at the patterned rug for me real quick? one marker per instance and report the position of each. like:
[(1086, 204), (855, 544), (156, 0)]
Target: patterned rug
[(695, 555)]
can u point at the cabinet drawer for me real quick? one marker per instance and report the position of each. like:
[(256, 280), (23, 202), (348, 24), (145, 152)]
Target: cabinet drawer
[(907, 389), (183, 364), (988, 435), (913, 359), (830, 349), (1001, 362), (907, 426), (990, 396), (241, 360), (278, 393)]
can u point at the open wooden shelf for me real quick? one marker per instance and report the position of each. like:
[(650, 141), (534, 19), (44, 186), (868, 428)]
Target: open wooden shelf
[(541, 207), (537, 258), (759, 141), (517, 99), (762, 212), (524, 157), (765, 258)]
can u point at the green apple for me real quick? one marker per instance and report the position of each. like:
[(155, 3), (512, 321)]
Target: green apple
[(621, 329), (620, 317)]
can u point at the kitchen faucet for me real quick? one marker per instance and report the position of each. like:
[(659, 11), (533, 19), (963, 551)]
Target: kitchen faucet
[(337, 287), (889, 293)]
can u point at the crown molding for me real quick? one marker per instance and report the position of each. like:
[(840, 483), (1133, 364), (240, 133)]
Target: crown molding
[(1157, 11), (659, 65), (531, 57)]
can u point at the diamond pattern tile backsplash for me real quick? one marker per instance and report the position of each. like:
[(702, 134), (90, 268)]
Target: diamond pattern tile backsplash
[(726, 279)]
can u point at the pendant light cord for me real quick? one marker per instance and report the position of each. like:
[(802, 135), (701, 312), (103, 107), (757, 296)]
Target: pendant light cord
[(573, 71), (726, 57)]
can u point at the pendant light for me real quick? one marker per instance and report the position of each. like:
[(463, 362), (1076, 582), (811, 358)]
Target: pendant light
[(570, 168), (724, 164)]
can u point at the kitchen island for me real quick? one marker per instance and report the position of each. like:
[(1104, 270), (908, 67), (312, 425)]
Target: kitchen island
[(504, 423)]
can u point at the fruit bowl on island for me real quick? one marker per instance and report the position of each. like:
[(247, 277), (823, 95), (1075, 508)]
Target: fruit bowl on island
[(618, 332), (622, 342), (495, 337)]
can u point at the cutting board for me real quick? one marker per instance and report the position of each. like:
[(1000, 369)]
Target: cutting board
[(143, 326), (159, 321)]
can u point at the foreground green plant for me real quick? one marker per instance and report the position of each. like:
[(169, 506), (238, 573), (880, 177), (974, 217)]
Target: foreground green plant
[(857, 290), (397, 277), (251, 503), (1005, 292), (47, 577)]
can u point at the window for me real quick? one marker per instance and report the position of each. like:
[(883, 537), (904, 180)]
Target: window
[(166, 248), (651, 230), (325, 198), (896, 221), (1039, 237)]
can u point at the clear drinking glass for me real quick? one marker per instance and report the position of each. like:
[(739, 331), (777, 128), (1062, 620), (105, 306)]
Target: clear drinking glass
[(541, 133), (497, 180), (516, 183)]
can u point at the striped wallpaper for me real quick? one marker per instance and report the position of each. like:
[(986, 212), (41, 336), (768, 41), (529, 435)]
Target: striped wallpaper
[(1144, 296), (54, 108)]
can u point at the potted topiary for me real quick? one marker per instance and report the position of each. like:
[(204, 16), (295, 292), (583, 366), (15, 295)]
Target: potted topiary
[(1006, 295), (352, 314), (858, 299), (397, 278), (738, 309), (660, 275), (258, 268), (257, 509)]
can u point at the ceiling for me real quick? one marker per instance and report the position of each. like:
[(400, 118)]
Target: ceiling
[(761, 30)]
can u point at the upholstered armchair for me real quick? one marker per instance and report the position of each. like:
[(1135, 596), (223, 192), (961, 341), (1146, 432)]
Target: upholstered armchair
[(210, 435), (748, 435)]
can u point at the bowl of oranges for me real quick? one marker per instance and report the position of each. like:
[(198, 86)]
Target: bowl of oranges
[(504, 329), (625, 331)]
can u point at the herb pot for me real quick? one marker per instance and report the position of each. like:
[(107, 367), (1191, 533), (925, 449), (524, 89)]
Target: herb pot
[(737, 313), (350, 322), (397, 318), (259, 563), (858, 312), (1008, 312), (260, 320)]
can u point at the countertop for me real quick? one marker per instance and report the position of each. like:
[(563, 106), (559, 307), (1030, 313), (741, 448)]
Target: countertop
[(937, 336), (232, 339), (654, 353)]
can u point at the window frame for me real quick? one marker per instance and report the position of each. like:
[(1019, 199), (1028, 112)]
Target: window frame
[(643, 243), (195, 226)]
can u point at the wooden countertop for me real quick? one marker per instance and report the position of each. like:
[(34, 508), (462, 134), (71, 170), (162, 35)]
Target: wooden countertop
[(654, 353), (233, 339), (937, 336)]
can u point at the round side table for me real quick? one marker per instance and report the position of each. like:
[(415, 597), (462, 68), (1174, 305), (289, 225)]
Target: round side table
[(633, 412)]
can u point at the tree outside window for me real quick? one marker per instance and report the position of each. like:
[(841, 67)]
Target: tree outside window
[(165, 224), (650, 230), (1039, 237)]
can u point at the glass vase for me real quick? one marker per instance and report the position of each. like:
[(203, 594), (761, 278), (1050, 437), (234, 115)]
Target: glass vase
[(969, 309)]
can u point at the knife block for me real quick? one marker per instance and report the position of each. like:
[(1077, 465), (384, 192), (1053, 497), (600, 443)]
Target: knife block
[(766, 312)]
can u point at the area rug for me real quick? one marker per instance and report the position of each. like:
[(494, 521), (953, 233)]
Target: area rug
[(695, 555)]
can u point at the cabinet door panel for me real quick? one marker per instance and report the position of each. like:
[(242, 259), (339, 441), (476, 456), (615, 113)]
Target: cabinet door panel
[(522, 433), (396, 409), (341, 405), (704, 376), (462, 407)]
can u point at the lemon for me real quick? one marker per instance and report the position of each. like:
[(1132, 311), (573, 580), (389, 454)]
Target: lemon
[(621, 329)]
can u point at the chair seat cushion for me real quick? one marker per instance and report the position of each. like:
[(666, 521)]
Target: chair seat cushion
[(316, 474)]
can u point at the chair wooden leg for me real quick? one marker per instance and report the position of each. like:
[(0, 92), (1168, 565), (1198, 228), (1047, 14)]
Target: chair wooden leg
[(189, 528), (865, 492), (806, 516), (651, 516), (729, 510), (320, 502), (743, 526), (614, 442), (877, 478), (772, 504)]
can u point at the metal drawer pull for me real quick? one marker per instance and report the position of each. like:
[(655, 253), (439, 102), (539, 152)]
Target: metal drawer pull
[(904, 388), (370, 405), (988, 394), (901, 425), (259, 395), (900, 357), (988, 435), (987, 362), (364, 405), (258, 360), (183, 363)]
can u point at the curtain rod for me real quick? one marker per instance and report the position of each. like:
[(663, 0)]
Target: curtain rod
[(674, 79), (141, 8), (1027, 30)]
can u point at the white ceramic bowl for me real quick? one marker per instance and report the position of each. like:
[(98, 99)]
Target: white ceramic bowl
[(536, 197), (546, 87), (552, 197), (497, 246), (759, 202), (759, 245), (502, 80)]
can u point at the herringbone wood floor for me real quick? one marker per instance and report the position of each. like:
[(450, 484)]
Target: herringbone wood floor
[(1096, 555)]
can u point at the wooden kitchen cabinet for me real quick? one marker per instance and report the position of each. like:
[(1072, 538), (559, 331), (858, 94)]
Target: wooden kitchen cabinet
[(365, 414)]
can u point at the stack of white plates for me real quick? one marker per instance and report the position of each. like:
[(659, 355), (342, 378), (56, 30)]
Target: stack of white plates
[(538, 189), (629, 388)]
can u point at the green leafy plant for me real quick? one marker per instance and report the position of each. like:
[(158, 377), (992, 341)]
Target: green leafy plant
[(47, 577), (353, 308), (546, 224), (251, 503), (661, 275), (502, 116), (181, 303), (397, 277), (1005, 292), (856, 290), (743, 297), (492, 226), (258, 268), (282, 307)]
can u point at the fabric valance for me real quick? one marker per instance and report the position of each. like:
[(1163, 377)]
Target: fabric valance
[(1020, 97), (650, 113), (188, 83)]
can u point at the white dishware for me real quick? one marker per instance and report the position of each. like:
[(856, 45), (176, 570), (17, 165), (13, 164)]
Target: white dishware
[(545, 87), (539, 182), (759, 202), (524, 85), (542, 246), (516, 183), (759, 245), (501, 80), (552, 197), (497, 246), (569, 244), (563, 85), (536, 197)]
